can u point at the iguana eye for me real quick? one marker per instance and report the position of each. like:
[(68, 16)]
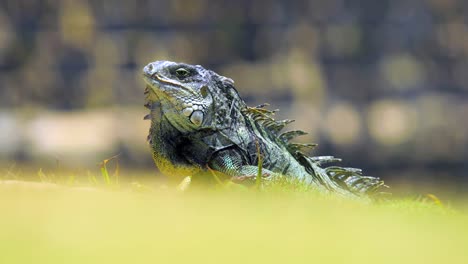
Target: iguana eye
[(181, 72)]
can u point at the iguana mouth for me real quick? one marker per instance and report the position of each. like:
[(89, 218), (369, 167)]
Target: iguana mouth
[(154, 87), (160, 84), (152, 83)]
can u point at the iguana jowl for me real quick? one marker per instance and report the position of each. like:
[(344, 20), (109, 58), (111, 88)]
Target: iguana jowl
[(203, 126)]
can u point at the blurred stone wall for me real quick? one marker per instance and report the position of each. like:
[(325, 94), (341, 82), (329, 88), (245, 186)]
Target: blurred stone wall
[(382, 84)]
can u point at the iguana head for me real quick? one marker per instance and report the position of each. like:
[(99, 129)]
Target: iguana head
[(191, 96)]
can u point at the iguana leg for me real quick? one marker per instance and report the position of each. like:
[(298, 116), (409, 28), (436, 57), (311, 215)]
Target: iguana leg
[(230, 162), (250, 172)]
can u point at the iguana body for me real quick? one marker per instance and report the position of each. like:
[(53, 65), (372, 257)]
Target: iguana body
[(204, 127)]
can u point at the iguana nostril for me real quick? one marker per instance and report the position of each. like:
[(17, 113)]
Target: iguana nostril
[(150, 67)]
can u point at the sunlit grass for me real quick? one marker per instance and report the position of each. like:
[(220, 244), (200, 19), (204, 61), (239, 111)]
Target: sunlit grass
[(92, 219)]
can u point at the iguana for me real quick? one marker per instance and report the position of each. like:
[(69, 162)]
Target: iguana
[(200, 125)]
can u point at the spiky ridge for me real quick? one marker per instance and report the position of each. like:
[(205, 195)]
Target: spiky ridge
[(266, 121), (334, 178)]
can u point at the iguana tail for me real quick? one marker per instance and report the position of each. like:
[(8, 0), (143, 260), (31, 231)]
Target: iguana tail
[(340, 179)]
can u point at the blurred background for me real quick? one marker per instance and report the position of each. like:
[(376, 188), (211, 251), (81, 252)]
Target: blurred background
[(382, 84)]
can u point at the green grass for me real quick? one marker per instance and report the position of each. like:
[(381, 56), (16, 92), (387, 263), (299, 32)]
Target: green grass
[(107, 219)]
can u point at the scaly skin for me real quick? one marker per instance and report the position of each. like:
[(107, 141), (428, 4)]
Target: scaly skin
[(200, 126)]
